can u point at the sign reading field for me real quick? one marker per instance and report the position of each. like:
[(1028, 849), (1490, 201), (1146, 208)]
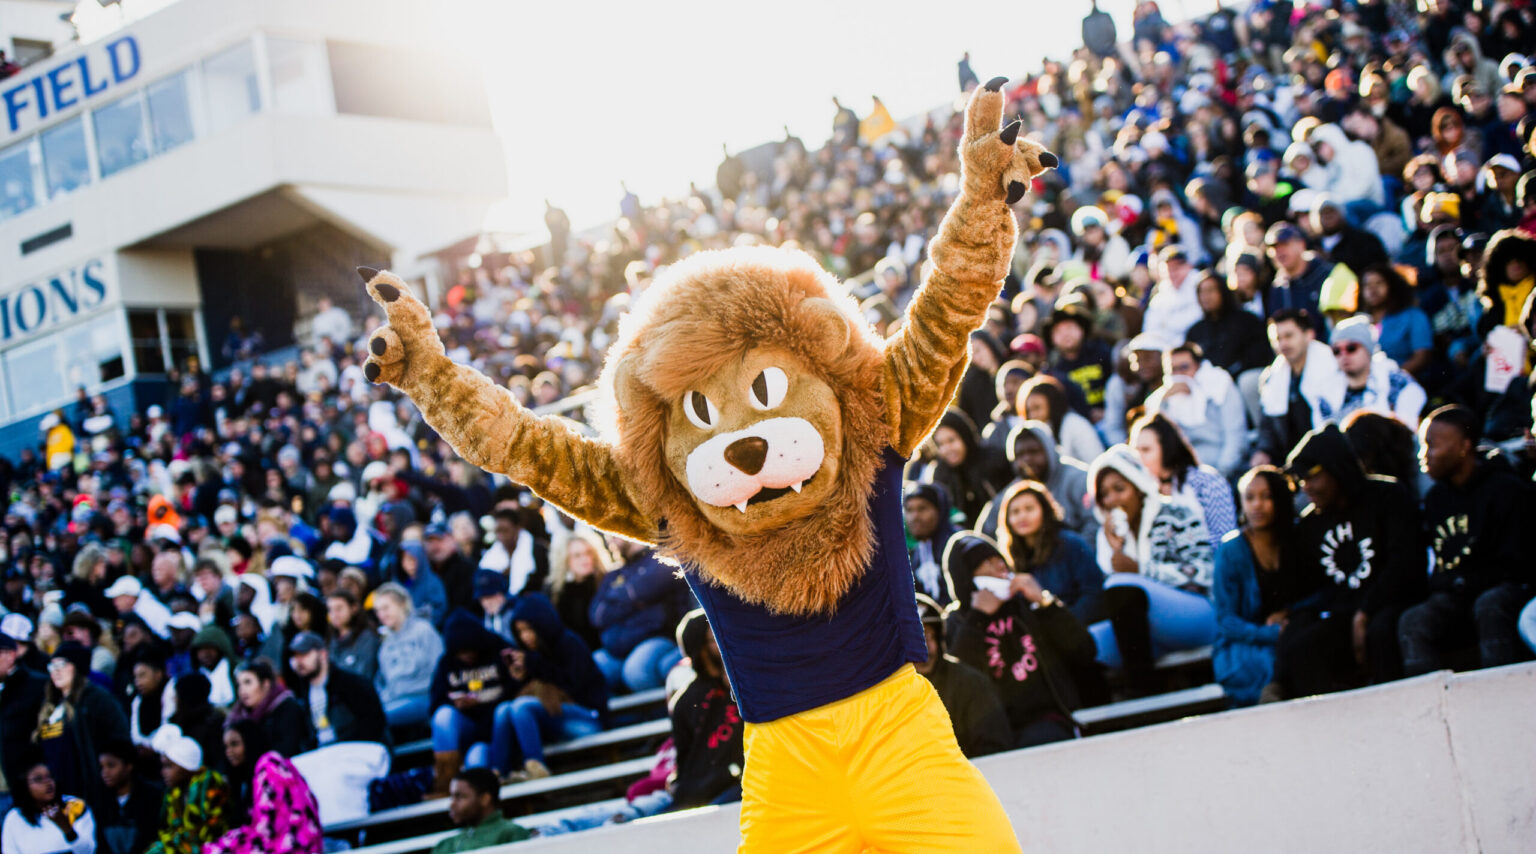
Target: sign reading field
[(67, 84), (44, 304)]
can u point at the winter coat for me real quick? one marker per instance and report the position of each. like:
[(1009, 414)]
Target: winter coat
[(562, 659), (642, 599), (284, 816), (1235, 341), (287, 724), (1212, 416), (352, 707), (926, 556), (428, 597), (1353, 174), (981, 723), (407, 659), (21, 696), (1389, 391), (1322, 387)]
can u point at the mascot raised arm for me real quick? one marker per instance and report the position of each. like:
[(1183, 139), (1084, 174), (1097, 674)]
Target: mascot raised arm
[(756, 430)]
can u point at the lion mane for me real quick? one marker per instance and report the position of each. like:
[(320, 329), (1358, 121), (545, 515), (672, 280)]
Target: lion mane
[(698, 317)]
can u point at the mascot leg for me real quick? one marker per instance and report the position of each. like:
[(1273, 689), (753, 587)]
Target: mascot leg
[(879, 771)]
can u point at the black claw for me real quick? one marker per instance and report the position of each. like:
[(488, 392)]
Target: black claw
[(378, 346), (390, 293), (996, 83), (1011, 132), (367, 273), (371, 370), (1015, 192), (1048, 160)]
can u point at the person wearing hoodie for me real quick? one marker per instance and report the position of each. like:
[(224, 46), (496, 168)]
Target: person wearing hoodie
[(265, 700), (929, 527), (408, 651), (195, 716), (1020, 635), (1464, 55), (1105, 253), (351, 543), (1010, 378), (565, 695), (707, 730), (1340, 242), (981, 723), (413, 571), (970, 472), (471, 686), (1360, 539), (1032, 451), (635, 610), (214, 656), (1300, 391), (1045, 399), (1204, 401), (1353, 175), (1477, 517), (1156, 557)]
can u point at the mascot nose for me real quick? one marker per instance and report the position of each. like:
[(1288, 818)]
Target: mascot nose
[(747, 454)]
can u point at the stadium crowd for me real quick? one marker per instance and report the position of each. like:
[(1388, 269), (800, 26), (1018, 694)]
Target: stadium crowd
[(1260, 380)]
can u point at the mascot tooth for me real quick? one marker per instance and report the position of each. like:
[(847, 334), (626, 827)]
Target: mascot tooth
[(755, 430)]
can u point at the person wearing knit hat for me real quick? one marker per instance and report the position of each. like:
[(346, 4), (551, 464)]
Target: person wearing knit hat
[(981, 724), (77, 716), (1372, 381), (195, 796), (1014, 632)]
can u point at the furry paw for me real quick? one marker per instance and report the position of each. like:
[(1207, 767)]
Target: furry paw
[(408, 341), (997, 164)]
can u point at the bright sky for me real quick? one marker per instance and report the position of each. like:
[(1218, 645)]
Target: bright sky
[(588, 93)]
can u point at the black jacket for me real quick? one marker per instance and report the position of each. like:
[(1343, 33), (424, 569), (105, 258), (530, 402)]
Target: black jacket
[(981, 724), (289, 728), (351, 705), (131, 826), (562, 659), (21, 696), (1235, 341), (975, 481), (458, 577), (1480, 533), (707, 729), (1030, 655)]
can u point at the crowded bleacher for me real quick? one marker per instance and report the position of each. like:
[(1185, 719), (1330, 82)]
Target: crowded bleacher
[(1251, 420)]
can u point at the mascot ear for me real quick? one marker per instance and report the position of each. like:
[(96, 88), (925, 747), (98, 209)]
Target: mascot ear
[(625, 392), (832, 328)]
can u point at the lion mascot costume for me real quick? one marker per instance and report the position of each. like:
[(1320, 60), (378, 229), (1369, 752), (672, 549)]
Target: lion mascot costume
[(756, 431)]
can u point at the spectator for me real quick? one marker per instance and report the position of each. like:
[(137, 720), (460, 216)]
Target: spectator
[(1353, 174), (1034, 540), (1076, 354), (1017, 633), (1300, 391), (197, 719), (284, 816), (342, 706), (452, 567), (214, 656), (474, 803), (44, 821), (129, 597), (565, 695), (1474, 516), (354, 642), (707, 729), (1043, 399), (1372, 381), (331, 322), (414, 573), (1174, 307), (265, 700), (148, 708), (1203, 401), (981, 723), (1257, 582), (1167, 456), (196, 797), (472, 691), (1359, 536), (76, 719), (577, 566), (1342, 243), (1034, 455), (1005, 417), (1156, 557), (306, 613), (1508, 278), (129, 821), (1404, 331), (408, 653), (928, 516), (1230, 338), (21, 696), (495, 605), (245, 742), (635, 609), (1299, 274), (970, 472), (515, 553)]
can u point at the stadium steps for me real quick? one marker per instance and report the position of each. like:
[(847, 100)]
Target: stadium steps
[(417, 844), (1141, 711)]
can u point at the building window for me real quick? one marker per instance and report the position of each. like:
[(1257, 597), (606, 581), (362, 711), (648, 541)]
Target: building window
[(148, 352), (170, 112), (18, 181), (181, 337), (162, 337), (121, 140), (45, 373), (298, 76), (65, 160), (230, 86)]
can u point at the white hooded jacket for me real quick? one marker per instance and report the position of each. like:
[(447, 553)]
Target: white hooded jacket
[(1354, 173)]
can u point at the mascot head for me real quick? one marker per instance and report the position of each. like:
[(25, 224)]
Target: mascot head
[(742, 395)]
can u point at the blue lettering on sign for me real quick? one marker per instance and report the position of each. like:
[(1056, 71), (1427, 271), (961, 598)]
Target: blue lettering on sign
[(53, 302), (72, 82)]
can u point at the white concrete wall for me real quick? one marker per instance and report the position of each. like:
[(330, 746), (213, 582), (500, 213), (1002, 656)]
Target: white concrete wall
[(157, 278), (1440, 763)]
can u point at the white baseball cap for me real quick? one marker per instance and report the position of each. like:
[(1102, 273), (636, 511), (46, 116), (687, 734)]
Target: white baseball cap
[(125, 586), (289, 566)]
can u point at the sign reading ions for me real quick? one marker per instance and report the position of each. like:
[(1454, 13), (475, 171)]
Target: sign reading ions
[(32, 101), (42, 305)]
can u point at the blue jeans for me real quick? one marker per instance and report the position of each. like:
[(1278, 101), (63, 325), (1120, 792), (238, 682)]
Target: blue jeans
[(408, 711), (645, 667), (533, 723), (1178, 619), (453, 731)]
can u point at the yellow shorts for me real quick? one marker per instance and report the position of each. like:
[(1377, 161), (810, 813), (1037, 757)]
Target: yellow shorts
[(877, 772)]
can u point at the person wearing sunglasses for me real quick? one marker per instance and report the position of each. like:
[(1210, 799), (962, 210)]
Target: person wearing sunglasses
[(1373, 382)]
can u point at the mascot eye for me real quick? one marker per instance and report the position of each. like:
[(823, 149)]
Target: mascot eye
[(769, 388), (700, 410)]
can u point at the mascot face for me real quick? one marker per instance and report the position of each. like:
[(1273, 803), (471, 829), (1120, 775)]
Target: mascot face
[(758, 443)]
